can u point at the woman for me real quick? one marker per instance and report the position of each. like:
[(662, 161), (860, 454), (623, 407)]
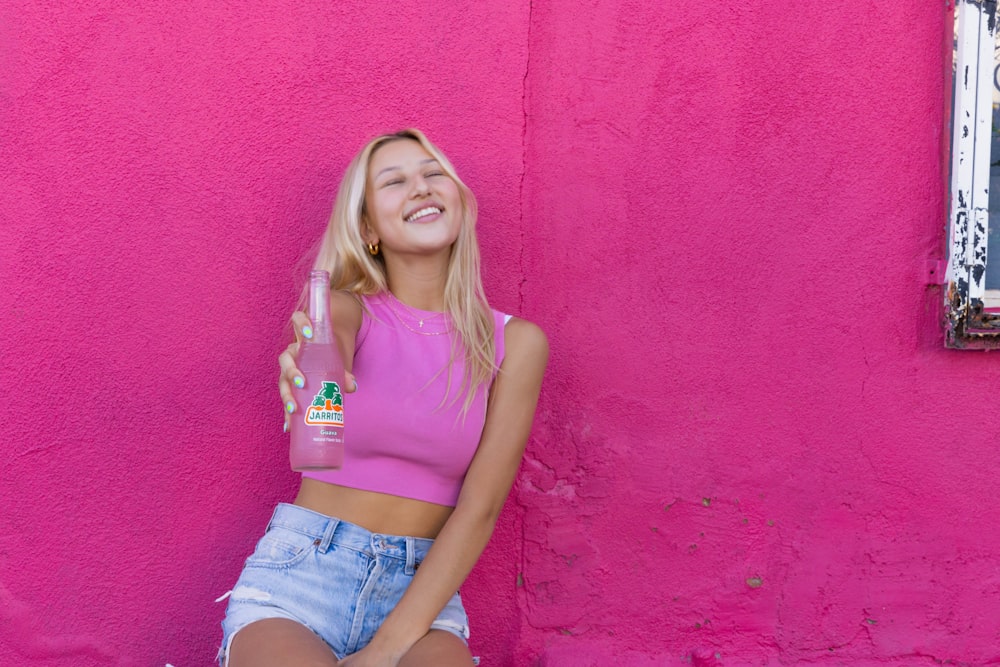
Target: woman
[(362, 570)]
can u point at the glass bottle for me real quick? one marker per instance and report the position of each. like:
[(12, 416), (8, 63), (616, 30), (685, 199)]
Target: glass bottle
[(317, 425)]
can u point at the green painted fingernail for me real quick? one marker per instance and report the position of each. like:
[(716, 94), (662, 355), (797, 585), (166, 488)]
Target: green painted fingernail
[(289, 407), (299, 382), (307, 331)]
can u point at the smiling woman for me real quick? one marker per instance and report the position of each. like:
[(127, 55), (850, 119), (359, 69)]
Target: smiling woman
[(364, 567), (413, 206)]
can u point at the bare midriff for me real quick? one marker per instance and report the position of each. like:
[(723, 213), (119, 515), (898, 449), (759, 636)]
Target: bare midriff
[(377, 512)]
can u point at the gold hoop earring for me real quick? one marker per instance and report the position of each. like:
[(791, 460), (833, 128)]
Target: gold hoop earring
[(373, 249)]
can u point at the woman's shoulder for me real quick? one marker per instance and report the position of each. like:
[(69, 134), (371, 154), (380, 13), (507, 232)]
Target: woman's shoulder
[(345, 309), (525, 341)]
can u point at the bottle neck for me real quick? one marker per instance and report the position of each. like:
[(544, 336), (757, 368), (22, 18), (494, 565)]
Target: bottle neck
[(319, 307)]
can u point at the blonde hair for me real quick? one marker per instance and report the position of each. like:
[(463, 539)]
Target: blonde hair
[(352, 268)]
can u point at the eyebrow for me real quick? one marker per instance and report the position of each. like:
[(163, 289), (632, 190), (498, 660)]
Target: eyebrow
[(427, 161)]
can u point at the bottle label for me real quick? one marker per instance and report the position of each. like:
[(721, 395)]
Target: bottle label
[(327, 407)]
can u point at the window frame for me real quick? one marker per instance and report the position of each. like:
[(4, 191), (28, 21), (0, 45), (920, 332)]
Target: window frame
[(969, 323)]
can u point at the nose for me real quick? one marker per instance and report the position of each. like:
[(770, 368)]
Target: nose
[(421, 188)]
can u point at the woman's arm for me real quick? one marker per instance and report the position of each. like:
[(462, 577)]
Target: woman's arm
[(509, 414)]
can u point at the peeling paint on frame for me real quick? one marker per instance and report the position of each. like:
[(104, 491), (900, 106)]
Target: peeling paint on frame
[(969, 326)]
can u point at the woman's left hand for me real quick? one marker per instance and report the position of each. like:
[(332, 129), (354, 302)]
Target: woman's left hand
[(369, 657)]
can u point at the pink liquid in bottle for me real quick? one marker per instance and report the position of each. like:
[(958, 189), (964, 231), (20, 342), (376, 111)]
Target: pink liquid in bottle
[(317, 425)]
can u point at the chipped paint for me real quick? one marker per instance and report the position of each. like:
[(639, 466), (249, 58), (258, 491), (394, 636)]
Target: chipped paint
[(968, 325), (990, 9)]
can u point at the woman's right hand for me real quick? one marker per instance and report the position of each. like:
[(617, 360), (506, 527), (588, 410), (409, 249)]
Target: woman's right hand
[(290, 376)]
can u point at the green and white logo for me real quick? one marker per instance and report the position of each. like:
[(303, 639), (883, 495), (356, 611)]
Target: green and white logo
[(327, 407)]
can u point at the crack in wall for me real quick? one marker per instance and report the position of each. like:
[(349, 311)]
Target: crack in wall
[(524, 160), (522, 593)]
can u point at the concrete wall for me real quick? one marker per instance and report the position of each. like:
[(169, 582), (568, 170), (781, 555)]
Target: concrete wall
[(751, 446)]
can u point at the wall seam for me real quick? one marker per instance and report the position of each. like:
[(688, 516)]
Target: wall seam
[(524, 162), (521, 591)]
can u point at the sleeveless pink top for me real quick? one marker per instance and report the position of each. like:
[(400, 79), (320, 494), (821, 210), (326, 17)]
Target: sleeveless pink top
[(404, 431)]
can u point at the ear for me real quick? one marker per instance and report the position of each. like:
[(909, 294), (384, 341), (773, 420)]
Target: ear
[(367, 233)]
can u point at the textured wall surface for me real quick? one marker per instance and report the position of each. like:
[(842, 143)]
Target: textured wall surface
[(751, 448)]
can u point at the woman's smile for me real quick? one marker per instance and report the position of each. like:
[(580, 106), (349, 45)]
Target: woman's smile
[(427, 212)]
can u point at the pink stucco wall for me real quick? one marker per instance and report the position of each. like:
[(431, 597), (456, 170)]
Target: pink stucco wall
[(751, 448)]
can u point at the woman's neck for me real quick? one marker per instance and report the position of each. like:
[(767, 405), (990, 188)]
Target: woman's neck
[(418, 286)]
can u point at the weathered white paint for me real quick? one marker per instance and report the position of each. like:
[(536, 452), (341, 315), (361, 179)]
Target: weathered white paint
[(972, 121)]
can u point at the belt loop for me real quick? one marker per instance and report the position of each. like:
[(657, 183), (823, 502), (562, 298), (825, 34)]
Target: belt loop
[(274, 515), (331, 528), (410, 557)]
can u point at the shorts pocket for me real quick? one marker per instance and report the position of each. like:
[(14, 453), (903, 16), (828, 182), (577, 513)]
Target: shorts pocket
[(281, 548)]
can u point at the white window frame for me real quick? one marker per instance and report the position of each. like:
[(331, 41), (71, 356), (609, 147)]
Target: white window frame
[(969, 324)]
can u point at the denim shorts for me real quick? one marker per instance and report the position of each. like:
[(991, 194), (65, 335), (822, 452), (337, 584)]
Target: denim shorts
[(336, 578)]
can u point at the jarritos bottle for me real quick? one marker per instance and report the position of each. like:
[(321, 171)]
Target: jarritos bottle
[(317, 427)]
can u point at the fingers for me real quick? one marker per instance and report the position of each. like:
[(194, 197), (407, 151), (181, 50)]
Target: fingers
[(289, 374), (351, 382), (288, 377), (302, 324)]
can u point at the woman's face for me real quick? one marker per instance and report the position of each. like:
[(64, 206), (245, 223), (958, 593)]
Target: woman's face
[(412, 205)]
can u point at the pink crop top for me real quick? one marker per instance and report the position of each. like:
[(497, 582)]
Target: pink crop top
[(398, 437)]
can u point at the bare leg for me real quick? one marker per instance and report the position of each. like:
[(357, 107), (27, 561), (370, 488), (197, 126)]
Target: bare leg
[(279, 641), (438, 648)]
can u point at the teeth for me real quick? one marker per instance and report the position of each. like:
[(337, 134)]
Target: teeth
[(430, 210)]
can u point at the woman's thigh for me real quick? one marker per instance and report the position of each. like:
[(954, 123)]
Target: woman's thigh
[(438, 648), (279, 641)]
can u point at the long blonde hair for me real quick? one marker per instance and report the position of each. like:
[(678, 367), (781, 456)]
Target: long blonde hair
[(343, 253)]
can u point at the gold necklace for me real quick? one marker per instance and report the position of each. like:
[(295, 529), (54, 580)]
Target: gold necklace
[(420, 321)]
